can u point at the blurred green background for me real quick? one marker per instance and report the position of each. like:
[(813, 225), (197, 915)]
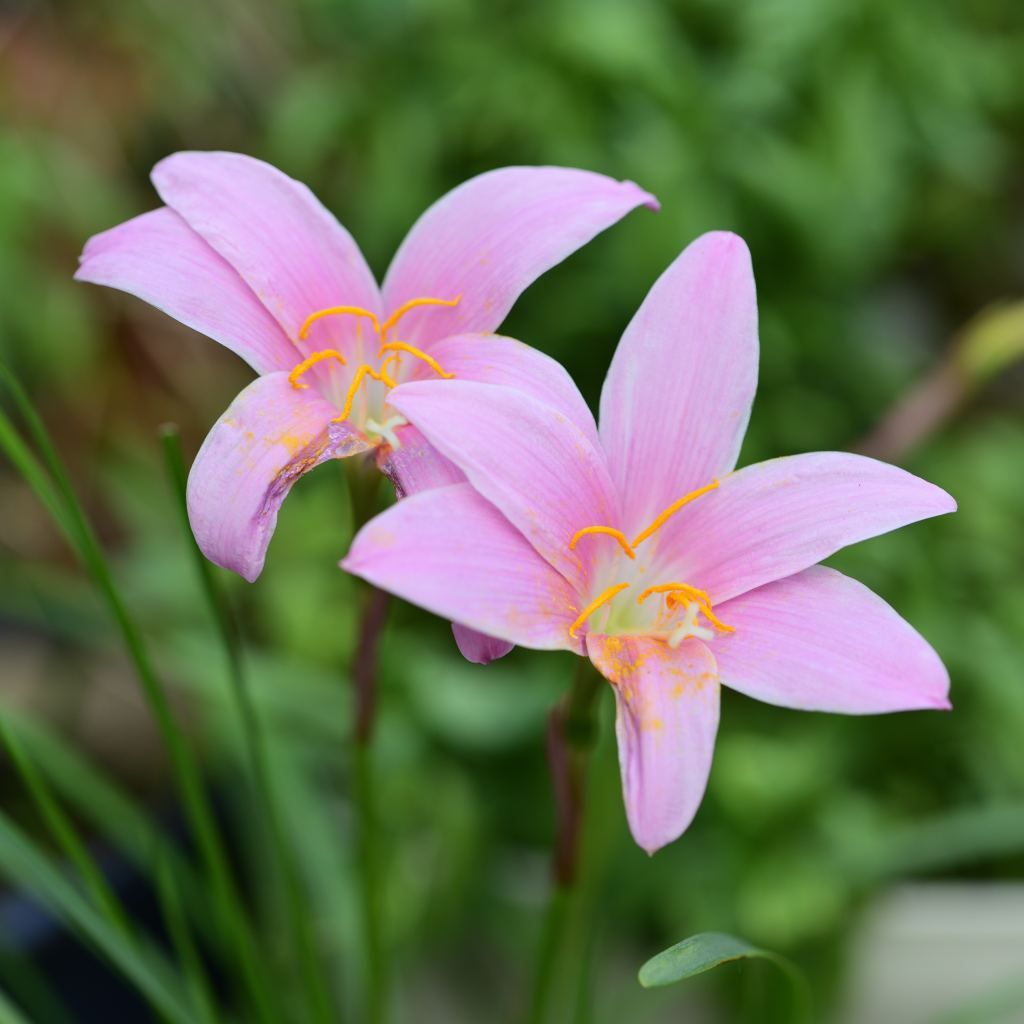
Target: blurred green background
[(872, 155)]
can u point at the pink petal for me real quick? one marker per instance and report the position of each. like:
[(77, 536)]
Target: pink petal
[(293, 254), (821, 641), (677, 398), (494, 359), (270, 436), (479, 648), (416, 465), (451, 552), (493, 236), (527, 458), (161, 260), (772, 519), (666, 704)]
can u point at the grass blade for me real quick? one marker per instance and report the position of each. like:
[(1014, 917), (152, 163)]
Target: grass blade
[(27, 868), (236, 932)]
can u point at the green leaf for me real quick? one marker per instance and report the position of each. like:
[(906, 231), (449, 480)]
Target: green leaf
[(708, 950), (695, 955)]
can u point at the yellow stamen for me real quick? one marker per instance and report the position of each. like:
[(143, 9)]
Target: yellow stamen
[(673, 588), (362, 373), (338, 311), (316, 357), (690, 595), (601, 599), (412, 304), (384, 370), (663, 517), (401, 346), (610, 531)]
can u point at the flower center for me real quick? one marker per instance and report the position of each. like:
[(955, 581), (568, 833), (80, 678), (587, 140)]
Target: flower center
[(373, 420), (681, 603)]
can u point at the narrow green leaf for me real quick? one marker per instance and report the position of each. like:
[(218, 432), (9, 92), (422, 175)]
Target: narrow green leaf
[(64, 833), (26, 867), (9, 1013), (236, 929)]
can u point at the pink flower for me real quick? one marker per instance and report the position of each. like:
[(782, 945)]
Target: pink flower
[(249, 257), (641, 548)]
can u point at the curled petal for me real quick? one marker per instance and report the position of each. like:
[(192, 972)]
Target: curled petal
[(493, 236), (479, 648), (820, 641), (161, 260), (276, 234), (770, 520), (270, 436), (677, 398), (666, 720), (453, 553)]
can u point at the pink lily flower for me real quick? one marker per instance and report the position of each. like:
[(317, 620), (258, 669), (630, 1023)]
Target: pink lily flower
[(641, 548), (249, 257)]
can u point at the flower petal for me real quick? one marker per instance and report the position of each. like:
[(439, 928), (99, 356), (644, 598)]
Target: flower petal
[(772, 519), (821, 641), (479, 648), (495, 359), (493, 236), (526, 457), (161, 260), (416, 465), (666, 718), (284, 244), (270, 436), (452, 552), (677, 398)]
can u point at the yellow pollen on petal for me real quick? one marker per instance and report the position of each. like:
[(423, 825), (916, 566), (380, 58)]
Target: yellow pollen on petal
[(413, 304), (610, 531), (663, 517), (601, 599), (338, 311), (401, 346), (362, 373), (316, 357)]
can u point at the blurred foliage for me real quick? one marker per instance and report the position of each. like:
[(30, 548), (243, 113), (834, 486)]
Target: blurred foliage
[(871, 153)]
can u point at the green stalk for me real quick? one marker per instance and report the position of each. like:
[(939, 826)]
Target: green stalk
[(64, 833), (297, 900), (364, 494), (72, 520), (180, 932), (572, 729)]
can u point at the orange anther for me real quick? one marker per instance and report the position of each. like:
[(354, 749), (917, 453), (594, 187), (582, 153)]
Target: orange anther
[(610, 531), (401, 346), (667, 514), (316, 357), (601, 599), (413, 304)]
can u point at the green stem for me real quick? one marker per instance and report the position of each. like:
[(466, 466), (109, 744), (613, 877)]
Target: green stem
[(572, 730), (236, 931), (297, 899), (364, 673)]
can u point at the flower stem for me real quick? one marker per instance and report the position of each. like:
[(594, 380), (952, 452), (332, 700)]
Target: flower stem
[(571, 733), (364, 487), (298, 907), (364, 682)]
